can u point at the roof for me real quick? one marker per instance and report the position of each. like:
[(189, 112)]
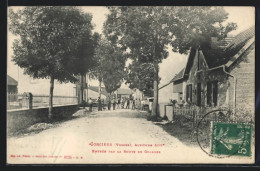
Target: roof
[(176, 77), (179, 75), (96, 88), (124, 91), (220, 52), (11, 81)]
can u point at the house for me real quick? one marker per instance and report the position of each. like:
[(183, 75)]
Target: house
[(63, 93), (221, 75), (11, 85), (124, 92), (93, 92), (165, 93), (178, 85), (42, 86)]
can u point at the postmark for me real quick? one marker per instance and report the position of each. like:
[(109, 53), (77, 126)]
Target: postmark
[(219, 137)]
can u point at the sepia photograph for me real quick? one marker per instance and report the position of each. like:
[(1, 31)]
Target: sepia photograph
[(130, 85)]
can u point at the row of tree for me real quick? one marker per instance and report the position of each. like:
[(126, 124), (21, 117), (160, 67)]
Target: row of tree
[(58, 42)]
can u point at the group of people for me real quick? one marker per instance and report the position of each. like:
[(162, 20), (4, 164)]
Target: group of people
[(122, 103), (119, 103), (100, 104)]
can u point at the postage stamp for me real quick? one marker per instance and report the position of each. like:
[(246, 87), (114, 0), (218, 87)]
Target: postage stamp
[(231, 139)]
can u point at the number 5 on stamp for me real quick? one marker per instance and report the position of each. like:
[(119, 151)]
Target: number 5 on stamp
[(232, 139)]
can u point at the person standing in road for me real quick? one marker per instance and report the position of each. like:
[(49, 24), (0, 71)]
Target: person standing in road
[(99, 104), (114, 103), (90, 102), (109, 103), (131, 103), (139, 104), (133, 106), (127, 103), (118, 103), (142, 104)]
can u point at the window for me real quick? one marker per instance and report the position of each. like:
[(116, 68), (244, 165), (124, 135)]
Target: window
[(189, 93), (212, 93)]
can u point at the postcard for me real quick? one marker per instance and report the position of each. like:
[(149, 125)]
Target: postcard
[(131, 85)]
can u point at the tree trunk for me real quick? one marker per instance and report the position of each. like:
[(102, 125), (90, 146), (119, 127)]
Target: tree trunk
[(50, 115), (99, 90), (155, 90), (82, 90)]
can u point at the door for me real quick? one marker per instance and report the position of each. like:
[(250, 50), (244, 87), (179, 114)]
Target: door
[(199, 94)]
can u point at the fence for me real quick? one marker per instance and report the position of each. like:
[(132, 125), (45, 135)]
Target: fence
[(195, 115), (43, 100), (193, 123), (21, 101)]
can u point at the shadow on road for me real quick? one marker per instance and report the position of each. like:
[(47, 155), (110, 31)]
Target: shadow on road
[(41, 126), (182, 131)]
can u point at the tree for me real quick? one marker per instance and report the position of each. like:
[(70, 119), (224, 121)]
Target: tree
[(85, 58), (140, 76), (49, 42), (197, 25), (147, 31), (110, 65), (114, 70)]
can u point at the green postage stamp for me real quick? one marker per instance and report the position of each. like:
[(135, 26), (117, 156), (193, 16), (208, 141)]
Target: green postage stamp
[(232, 139)]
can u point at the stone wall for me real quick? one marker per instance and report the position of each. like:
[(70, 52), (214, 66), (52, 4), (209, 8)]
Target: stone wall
[(21, 119), (166, 111)]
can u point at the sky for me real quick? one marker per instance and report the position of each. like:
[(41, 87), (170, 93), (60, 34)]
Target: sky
[(243, 16)]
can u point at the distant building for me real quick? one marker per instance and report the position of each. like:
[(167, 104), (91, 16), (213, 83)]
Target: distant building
[(11, 85), (63, 93), (124, 92), (93, 92), (42, 86), (172, 90)]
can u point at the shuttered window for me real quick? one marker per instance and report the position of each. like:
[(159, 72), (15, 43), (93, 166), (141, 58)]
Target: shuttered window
[(189, 93), (212, 93)]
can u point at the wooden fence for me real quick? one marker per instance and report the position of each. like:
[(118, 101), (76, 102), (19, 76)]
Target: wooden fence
[(195, 115)]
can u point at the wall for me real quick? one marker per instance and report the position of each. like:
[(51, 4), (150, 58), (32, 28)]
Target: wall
[(244, 71), (21, 119), (169, 112), (162, 110), (165, 94), (166, 111), (42, 86)]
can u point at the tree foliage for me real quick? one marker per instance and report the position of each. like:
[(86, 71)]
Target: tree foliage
[(140, 76), (54, 42), (196, 25), (85, 60), (49, 40), (110, 65), (147, 31)]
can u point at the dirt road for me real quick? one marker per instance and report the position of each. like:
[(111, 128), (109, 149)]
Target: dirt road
[(121, 136)]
